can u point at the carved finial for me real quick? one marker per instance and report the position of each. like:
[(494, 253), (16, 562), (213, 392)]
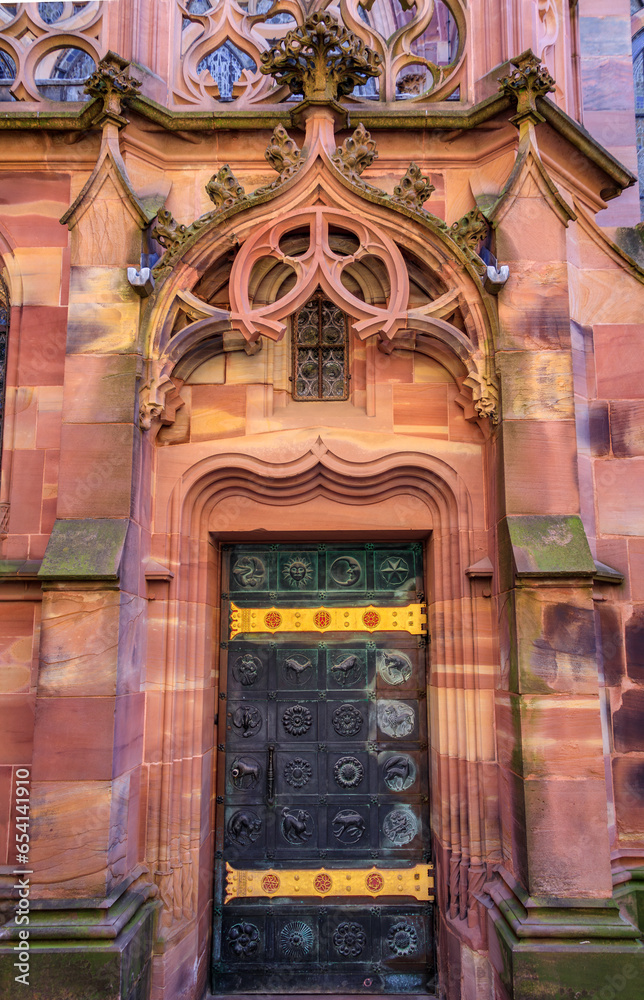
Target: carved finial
[(525, 84), (414, 188), (111, 81), (321, 59), (356, 153), (283, 154), (223, 188), (470, 230), (167, 230)]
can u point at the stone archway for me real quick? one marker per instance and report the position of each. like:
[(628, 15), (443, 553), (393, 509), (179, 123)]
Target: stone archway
[(407, 494)]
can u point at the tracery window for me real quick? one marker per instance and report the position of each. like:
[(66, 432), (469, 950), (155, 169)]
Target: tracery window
[(49, 49), (320, 363), (4, 336)]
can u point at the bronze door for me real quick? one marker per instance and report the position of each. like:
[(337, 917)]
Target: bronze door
[(323, 870)]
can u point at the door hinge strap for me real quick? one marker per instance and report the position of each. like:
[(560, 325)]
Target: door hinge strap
[(417, 882)]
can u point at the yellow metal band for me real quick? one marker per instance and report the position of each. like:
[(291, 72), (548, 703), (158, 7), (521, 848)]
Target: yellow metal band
[(417, 882), (399, 619)]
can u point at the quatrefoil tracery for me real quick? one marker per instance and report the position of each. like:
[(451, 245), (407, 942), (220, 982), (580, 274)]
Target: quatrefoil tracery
[(319, 267)]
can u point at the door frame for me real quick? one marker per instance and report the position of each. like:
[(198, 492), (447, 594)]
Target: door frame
[(223, 499)]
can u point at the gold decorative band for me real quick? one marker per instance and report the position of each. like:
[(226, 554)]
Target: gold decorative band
[(400, 619), (398, 882)]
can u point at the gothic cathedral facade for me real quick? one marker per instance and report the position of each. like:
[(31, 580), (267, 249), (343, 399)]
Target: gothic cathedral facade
[(322, 565)]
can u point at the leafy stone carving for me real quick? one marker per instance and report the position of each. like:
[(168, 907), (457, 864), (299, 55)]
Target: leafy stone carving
[(414, 189), (528, 81), (111, 77), (168, 232), (224, 190), (356, 153), (321, 59), (468, 231), (283, 154)]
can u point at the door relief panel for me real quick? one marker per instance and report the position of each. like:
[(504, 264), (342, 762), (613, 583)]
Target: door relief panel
[(324, 880)]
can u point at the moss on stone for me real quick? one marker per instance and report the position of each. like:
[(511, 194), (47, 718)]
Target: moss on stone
[(545, 545), (85, 550)]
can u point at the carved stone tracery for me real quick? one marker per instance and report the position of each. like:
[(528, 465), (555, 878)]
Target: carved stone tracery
[(322, 60)]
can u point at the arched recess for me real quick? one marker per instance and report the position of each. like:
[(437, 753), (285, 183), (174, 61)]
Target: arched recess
[(320, 197), (314, 489)]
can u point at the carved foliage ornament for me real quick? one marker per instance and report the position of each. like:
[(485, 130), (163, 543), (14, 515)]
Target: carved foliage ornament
[(224, 190), (356, 153), (321, 59), (414, 189), (111, 77), (283, 154), (528, 81), (470, 231)]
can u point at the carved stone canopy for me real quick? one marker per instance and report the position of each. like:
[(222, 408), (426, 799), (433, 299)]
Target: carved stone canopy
[(321, 59)]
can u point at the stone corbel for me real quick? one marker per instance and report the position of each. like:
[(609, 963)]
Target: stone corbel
[(159, 401), (485, 397)]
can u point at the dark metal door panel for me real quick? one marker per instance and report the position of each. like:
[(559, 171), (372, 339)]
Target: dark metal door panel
[(324, 784)]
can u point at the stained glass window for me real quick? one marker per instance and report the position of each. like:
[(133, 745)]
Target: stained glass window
[(4, 333), (320, 367)]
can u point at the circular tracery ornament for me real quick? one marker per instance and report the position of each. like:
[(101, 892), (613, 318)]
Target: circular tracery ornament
[(297, 720), (402, 939), (297, 772), (322, 882), (348, 772), (374, 882), (371, 619), (347, 720), (319, 266), (349, 938), (270, 883), (272, 620)]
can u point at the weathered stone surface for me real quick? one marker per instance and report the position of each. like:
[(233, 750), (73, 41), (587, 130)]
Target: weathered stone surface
[(550, 546), (628, 732), (89, 549), (536, 385)]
